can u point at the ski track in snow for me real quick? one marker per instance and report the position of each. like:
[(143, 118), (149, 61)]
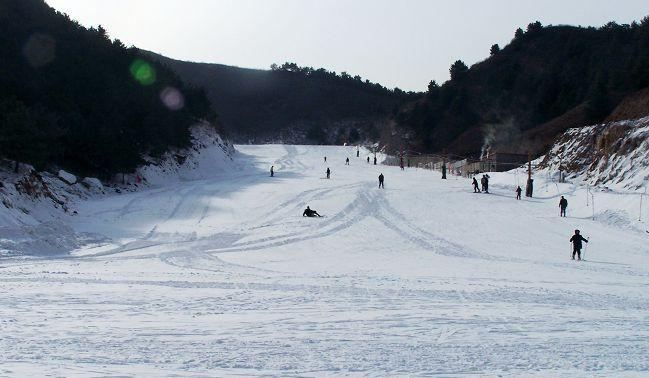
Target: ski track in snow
[(225, 277)]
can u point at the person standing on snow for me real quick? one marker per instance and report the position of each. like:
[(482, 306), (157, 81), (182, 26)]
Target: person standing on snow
[(476, 189), (381, 178), (325, 159), (272, 171), (518, 192), (328, 172), (485, 183), (374, 160), (563, 204), (358, 152), (576, 240), (368, 160), (347, 161)]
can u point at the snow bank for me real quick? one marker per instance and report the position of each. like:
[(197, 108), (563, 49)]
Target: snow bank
[(67, 177), (209, 156), (35, 206)]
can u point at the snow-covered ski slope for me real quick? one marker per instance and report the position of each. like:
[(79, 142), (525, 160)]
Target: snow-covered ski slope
[(224, 277)]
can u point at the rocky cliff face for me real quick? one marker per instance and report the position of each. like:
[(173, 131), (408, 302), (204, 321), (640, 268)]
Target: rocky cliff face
[(613, 154)]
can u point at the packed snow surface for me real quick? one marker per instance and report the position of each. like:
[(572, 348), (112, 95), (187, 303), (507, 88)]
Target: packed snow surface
[(223, 276)]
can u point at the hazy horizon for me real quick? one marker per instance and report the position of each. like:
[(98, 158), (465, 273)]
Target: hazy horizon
[(404, 44)]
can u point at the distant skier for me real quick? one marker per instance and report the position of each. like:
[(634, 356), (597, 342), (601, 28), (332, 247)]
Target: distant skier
[(563, 204), (272, 171), (485, 183), (476, 189), (368, 160), (482, 182), (310, 213), (381, 178), (576, 240), (328, 172), (358, 152), (325, 159), (347, 161), (518, 192), (374, 160)]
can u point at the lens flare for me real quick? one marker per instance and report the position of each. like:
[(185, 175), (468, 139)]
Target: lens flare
[(39, 50), (172, 98), (143, 72)]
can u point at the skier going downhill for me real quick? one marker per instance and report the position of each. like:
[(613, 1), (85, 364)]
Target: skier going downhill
[(328, 172), (563, 204), (476, 188), (347, 161), (310, 213), (381, 178), (576, 240)]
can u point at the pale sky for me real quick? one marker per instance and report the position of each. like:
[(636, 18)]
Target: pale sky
[(403, 43)]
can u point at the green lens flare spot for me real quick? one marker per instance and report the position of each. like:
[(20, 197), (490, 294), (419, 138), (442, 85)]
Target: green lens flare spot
[(143, 72)]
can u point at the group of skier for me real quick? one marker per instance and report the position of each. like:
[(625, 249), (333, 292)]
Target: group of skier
[(483, 186), (484, 181)]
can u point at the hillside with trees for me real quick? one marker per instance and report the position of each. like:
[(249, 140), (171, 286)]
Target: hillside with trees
[(545, 81), (71, 97), (290, 103)]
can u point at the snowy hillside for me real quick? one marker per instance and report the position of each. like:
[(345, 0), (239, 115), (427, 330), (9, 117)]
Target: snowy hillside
[(615, 155), (223, 276), (35, 207)]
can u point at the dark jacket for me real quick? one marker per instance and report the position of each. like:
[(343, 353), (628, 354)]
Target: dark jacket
[(563, 203), (576, 239), (381, 177)]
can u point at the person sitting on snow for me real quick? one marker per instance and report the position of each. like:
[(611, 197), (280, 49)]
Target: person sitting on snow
[(310, 213)]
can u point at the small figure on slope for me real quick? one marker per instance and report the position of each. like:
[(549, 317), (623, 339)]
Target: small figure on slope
[(347, 161), (485, 183), (563, 204), (576, 240), (518, 192), (325, 159), (476, 189), (368, 160), (374, 160), (328, 172), (310, 213), (272, 171), (381, 178)]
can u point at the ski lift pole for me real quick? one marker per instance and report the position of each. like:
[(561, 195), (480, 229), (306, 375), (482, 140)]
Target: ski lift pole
[(641, 196)]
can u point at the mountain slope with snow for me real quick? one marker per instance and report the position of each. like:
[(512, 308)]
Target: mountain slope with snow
[(35, 207), (223, 276), (614, 154)]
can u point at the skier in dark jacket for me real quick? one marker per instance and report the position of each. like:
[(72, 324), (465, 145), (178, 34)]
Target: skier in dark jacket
[(518, 192), (272, 170), (310, 213), (347, 161), (476, 189), (381, 178), (485, 183), (368, 160), (563, 204), (576, 240), (374, 160), (328, 172)]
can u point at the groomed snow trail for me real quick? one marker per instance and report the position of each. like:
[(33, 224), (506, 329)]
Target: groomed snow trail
[(224, 277)]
